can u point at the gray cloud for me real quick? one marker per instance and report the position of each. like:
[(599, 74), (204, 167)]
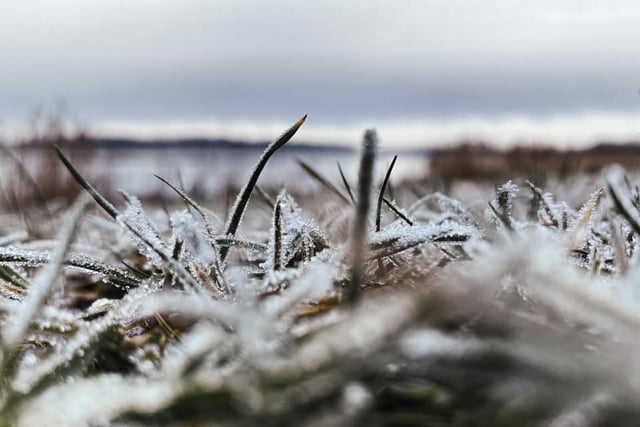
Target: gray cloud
[(338, 61)]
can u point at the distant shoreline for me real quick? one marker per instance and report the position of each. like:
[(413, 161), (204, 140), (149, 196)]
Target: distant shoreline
[(189, 143)]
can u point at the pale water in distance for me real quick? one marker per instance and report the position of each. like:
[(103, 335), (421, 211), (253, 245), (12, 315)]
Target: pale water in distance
[(211, 169)]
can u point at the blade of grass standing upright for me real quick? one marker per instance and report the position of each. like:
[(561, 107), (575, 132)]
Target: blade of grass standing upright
[(359, 234), (381, 267), (346, 184), (277, 234), (100, 200), (239, 207), (381, 194)]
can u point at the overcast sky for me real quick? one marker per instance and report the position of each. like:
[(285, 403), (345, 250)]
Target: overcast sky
[(417, 69)]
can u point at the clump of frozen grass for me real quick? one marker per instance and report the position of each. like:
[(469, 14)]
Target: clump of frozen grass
[(525, 318)]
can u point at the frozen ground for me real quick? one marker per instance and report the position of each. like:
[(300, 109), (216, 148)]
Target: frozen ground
[(516, 305)]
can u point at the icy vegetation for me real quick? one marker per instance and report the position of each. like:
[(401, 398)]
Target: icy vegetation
[(417, 310)]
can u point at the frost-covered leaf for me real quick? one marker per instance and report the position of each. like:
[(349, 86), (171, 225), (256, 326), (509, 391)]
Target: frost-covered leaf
[(580, 227), (135, 216), (400, 237)]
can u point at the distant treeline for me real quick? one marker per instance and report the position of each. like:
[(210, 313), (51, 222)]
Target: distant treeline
[(478, 161), (89, 143)]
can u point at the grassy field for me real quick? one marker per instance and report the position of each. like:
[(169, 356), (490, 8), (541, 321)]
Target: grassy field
[(364, 304)]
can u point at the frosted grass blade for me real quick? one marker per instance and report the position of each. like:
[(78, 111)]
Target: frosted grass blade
[(245, 194), (359, 232)]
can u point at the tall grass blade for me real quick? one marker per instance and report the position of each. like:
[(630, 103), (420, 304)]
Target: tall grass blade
[(238, 209), (381, 267), (359, 233), (346, 184), (277, 235), (100, 200), (381, 193)]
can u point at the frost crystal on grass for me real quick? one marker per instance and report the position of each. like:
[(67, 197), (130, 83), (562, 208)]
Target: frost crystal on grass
[(135, 216), (299, 238), (188, 230)]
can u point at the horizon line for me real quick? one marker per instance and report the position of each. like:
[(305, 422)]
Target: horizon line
[(578, 130)]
